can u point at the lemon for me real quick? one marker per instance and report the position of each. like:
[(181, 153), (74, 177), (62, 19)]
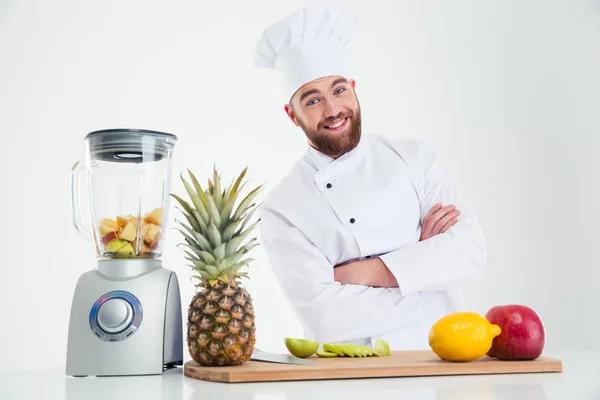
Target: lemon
[(462, 336), (301, 347)]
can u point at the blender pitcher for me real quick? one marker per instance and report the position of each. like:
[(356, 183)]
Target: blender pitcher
[(126, 316), (128, 183)]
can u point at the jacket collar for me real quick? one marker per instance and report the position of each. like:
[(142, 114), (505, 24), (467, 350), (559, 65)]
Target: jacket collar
[(320, 160)]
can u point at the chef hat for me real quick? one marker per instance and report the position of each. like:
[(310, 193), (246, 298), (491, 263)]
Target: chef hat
[(307, 44)]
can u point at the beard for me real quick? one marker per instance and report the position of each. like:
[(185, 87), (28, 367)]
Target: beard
[(335, 144)]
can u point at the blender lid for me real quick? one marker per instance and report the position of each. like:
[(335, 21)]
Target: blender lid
[(130, 145)]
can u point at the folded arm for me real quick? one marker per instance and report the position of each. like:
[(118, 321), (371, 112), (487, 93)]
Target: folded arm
[(447, 259), (330, 312)]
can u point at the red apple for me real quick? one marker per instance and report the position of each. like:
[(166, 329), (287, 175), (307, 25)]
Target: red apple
[(523, 336)]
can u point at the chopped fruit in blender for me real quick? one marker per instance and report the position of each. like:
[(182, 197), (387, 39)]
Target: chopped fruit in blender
[(122, 221), (121, 237), (154, 244), (114, 245), (129, 232), (151, 231), (154, 217), (125, 251), (107, 226), (108, 237)]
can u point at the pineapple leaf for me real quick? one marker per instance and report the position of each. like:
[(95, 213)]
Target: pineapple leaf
[(212, 270), (236, 267), (195, 250), (246, 218), (221, 265), (191, 219), (196, 200), (203, 226), (213, 211), (236, 186), (190, 256), (230, 230), (249, 246), (190, 240), (249, 229), (204, 244), (226, 211), (208, 258), (197, 240), (233, 244), (232, 259), (227, 192), (197, 263), (247, 200), (184, 203), (204, 274), (218, 197), (219, 251), (198, 188), (214, 236)]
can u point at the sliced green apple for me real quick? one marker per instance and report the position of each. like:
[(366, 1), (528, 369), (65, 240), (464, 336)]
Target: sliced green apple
[(332, 348), (382, 347), (326, 354), (301, 347)]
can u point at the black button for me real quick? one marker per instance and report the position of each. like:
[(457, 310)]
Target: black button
[(329, 186), (352, 220)]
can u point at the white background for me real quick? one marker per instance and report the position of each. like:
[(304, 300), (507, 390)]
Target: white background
[(507, 91)]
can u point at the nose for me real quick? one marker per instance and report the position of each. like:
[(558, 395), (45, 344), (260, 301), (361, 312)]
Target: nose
[(332, 108)]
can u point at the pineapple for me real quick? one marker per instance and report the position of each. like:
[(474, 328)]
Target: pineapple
[(220, 327)]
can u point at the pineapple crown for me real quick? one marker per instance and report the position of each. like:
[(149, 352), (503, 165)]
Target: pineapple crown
[(215, 231)]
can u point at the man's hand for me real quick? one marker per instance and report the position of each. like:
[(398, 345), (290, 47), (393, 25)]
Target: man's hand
[(438, 220), (372, 272)]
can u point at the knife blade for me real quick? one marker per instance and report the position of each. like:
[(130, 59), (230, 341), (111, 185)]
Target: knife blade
[(259, 355)]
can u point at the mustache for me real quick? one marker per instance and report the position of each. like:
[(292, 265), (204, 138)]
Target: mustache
[(330, 120)]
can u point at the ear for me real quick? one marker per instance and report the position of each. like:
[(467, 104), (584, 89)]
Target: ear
[(290, 113), (353, 84)]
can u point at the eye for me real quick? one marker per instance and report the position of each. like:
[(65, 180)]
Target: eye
[(339, 90), (312, 102)]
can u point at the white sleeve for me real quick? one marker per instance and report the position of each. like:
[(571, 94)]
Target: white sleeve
[(448, 259), (329, 312)]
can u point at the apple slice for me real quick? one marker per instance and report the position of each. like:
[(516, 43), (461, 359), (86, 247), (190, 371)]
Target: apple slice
[(108, 237), (150, 232), (154, 217), (107, 226), (129, 232), (116, 244), (126, 251)]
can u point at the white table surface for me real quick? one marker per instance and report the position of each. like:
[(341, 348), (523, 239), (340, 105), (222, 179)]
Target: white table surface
[(580, 380)]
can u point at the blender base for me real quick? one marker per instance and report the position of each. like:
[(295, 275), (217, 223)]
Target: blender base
[(125, 319)]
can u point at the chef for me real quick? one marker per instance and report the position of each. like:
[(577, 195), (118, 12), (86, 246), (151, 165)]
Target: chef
[(367, 234)]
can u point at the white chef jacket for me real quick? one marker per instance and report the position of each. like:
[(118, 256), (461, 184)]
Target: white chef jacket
[(370, 202)]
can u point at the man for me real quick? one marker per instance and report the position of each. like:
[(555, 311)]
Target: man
[(363, 233)]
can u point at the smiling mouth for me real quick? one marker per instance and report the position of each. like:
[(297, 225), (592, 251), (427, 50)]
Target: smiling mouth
[(337, 125)]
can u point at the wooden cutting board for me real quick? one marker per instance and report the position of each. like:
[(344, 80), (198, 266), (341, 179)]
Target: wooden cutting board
[(399, 364)]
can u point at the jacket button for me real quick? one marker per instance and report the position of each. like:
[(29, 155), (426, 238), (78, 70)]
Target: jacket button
[(352, 220), (329, 186)]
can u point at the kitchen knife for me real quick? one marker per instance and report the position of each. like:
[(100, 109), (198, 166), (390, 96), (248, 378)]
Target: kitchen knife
[(259, 355)]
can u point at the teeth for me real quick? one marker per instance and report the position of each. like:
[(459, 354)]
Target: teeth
[(337, 124)]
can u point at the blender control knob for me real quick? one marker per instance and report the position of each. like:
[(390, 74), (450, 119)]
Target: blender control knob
[(115, 315)]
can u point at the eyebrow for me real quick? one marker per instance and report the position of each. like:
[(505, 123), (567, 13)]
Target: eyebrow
[(314, 91)]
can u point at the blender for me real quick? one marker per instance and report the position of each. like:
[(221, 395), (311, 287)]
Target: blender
[(126, 312)]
